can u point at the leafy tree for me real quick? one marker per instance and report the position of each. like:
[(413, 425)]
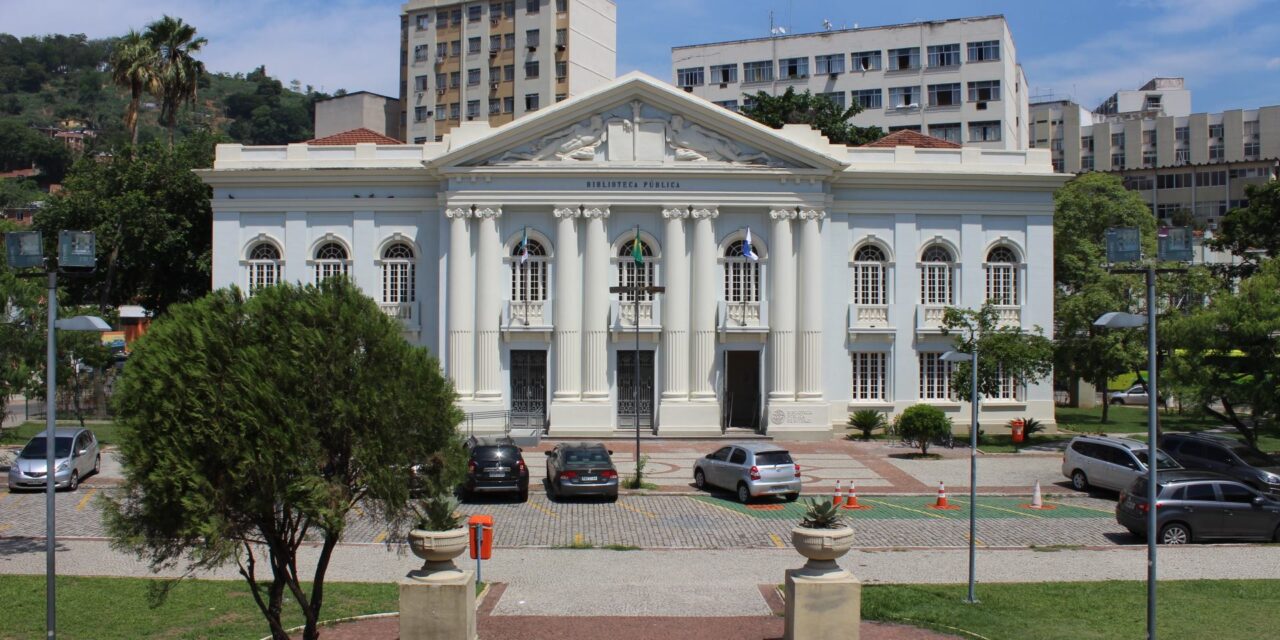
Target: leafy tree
[(1003, 351), (252, 425), (1252, 233), (133, 66), (923, 423), (21, 147), (1084, 289), (17, 192), (817, 111), (151, 214), (176, 73), (269, 114)]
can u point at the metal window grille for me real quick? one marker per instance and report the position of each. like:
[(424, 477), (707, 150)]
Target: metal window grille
[(1002, 276), (529, 279), (631, 274), (935, 377), (869, 376), (869, 282), (331, 260), (399, 273), (936, 275)]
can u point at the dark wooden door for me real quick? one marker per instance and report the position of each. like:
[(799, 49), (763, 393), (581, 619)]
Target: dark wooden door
[(742, 388)]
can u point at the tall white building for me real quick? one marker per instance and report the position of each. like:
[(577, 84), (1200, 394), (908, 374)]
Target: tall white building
[(957, 79), (803, 280), (497, 60)]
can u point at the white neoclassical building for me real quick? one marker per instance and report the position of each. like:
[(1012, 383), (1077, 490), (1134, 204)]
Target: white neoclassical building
[(802, 280)]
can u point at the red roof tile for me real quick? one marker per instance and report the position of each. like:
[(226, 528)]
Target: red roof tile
[(355, 136), (909, 138)]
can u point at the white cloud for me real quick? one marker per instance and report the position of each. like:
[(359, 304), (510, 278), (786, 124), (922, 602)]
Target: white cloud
[(1188, 16), (1273, 63)]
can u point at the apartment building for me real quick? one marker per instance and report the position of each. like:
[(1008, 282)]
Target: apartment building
[(1181, 162), (498, 60), (957, 79)]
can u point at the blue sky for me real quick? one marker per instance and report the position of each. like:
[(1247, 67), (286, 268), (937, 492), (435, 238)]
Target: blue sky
[(1228, 50)]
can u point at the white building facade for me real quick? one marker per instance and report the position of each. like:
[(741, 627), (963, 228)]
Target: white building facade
[(803, 280)]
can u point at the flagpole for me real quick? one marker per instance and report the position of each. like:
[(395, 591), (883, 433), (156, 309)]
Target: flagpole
[(635, 284), (524, 264)]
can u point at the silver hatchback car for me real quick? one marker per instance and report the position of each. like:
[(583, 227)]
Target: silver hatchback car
[(76, 457), (750, 470)]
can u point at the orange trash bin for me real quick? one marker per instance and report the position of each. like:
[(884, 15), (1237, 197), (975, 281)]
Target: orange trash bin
[(1018, 427), (483, 526)]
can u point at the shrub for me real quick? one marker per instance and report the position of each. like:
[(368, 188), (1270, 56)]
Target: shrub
[(821, 515), (923, 423), (866, 421)]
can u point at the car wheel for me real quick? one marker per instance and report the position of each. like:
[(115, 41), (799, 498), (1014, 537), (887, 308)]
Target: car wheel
[(1116, 401), (524, 493), (613, 498), (744, 494), (699, 480), (97, 464), (1175, 533), (792, 497), (1078, 481), (75, 481)]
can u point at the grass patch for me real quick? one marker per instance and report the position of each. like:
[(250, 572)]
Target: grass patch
[(620, 547), (107, 432), (120, 608), (1004, 443), (1123, 419), (631, 483), (1219, 609)]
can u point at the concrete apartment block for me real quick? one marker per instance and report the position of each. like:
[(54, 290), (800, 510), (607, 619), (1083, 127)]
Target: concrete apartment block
[(361, 109)]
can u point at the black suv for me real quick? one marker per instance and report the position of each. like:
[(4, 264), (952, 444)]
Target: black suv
[(1200, 505), (1226, 456), (495, 466)]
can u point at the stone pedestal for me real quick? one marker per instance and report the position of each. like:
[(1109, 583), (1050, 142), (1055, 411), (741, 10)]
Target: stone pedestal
[(439, 606), (826, 605)]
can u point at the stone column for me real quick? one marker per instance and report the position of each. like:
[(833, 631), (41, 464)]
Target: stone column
[(568, 306), (595, 319), (461, 302), (488, 304), (782, 308), (810, 363), (675, 308), (705, 297)]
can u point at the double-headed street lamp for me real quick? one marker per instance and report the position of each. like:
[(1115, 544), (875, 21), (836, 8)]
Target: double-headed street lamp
[(957, 356), (76, 250)]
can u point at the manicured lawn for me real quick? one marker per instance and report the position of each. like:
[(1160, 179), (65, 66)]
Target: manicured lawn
[(1218, 609), (105, 431), (1121, 419), (1004, 443), (118, 608)]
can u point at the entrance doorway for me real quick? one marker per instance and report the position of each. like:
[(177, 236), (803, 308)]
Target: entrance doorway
[(742, 389), (529, 389), (628, 411)]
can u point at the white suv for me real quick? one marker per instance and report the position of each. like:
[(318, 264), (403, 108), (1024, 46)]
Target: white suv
[(1109, 463)]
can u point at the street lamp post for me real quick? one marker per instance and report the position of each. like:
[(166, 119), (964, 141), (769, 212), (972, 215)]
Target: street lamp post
[(956, 356), (635, 290)]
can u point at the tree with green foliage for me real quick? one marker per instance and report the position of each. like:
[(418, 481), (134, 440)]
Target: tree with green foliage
[(250, 426), (269, 114), (1004, 351), (1252, 233), (817, 111), (176, 73), (18, 192), (22, 147), (133, 67), (922, 424), (1084, 289), (151, 214)]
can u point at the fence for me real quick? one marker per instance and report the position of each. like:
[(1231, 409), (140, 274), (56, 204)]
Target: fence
[(88, 395)]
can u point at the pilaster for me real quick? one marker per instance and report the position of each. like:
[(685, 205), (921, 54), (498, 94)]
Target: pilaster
[(703, 354), (782, 308), (488, 305), (568, 305), (809, 367), (461, 303), (595, 319)]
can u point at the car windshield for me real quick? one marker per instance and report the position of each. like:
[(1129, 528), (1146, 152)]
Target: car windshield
[(773, 457), (1163, 461), (1254, 458), (36, 450), (585, 457), (493, 453)]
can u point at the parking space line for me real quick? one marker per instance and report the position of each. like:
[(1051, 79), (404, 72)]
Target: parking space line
[(85, 500), (898, 506), (976, 540), (1016, 513), (578, 540), (777, 541), (543, 509), (639, 511), (380, 537), (723, 508), (1077, 506)]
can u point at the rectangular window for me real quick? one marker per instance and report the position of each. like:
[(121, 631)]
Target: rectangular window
[(562, 6), (456, 17), (1215, 131), (691, 77), (473, 109), (868, 98), (905, 127), (455, 79), (495, 11), (724, 73), (944, 95), (1252, 150), (420, 140), (531, 101), (1211, 179), (531, 69), (1149, 159), (1086, 144), (1181, 156), (1117, 161), (984, 91), (904, 59), (1215, 152), (420, 114), (420, 83), (532, 6), (904, 97), (984, 51), (944, 55), (509, 9), (759, 71), (1182, 135), (793, 68), (441, 114), (1002, 283), (561, 97), (869, 376), (836, 97), (1117, 140), (420, 52), (442, 80), (833, 63), (936, 283), (455, 111), (1138, 183), (949, 132), (495, 107), (1174, 180), (455, 48), (866, 60), (508, 41), (495, 43), (532, 38), (423, 21), (731, 105), (509, 73), (473, 13), (935, 376), (509, 104), (562, 70), (1008, 388), (984, 131), (1166, 211), (473, 45), (442, 19), (495, 75), (1086, 163), (473, 77), (442, 49), (870, 281)]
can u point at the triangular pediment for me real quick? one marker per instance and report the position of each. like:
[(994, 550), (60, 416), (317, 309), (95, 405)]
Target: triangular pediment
[(637, 120)]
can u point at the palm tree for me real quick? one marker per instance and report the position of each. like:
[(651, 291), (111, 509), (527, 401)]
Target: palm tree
[(133, 67), (177, 72)]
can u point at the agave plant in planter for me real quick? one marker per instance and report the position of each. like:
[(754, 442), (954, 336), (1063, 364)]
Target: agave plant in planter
[(822, 536), (438, 535)]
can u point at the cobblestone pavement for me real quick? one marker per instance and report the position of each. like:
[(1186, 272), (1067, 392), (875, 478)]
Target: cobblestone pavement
[(683, 522)]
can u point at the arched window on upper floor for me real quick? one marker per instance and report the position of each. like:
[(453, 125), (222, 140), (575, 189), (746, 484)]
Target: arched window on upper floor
[(937, 276), (399, 274), (870, 276), (330, 260), (1002, 276), (264, 266), (529, 271)]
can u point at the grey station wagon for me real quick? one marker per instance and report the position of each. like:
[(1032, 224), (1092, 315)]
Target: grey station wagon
[(1200, 505), (750, 470)]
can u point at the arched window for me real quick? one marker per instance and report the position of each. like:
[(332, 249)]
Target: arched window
[(631, 274), (331, 260), (937, 276), (264, 266), (1002, 276), (529, 272), (399, 272), (870, 283), (741, 274)]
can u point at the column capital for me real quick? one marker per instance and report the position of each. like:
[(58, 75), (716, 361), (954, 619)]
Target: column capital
[(702, 213), (457, 212), (567, 211), (778, 213), (812, 214), (595, 212), (672, 211), (489, 212)]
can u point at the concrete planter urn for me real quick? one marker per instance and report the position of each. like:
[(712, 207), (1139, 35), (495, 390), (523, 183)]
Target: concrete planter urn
[(438, 549), (822, 546)]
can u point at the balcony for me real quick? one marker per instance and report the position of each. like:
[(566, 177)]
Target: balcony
[(1008, 316), (929, 318), (405, 312), (869, 320), (622, 316), (742, 317), (535, 317)]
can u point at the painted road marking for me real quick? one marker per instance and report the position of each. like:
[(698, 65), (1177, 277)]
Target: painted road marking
[(976, 540), (543, 509), (964, 503), (723, 508), (1077, 506), (85, 500), (898, 506), (777, 542), (5, 527), (380, 537), (578, 540), (639, 511)]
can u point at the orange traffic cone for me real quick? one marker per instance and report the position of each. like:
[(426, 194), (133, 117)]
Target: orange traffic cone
[(942, 499), (835, 497), (1037, 502), (851, 502)]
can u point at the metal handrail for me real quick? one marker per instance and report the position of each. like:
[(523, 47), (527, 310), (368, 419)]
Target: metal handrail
[(471, 418)]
